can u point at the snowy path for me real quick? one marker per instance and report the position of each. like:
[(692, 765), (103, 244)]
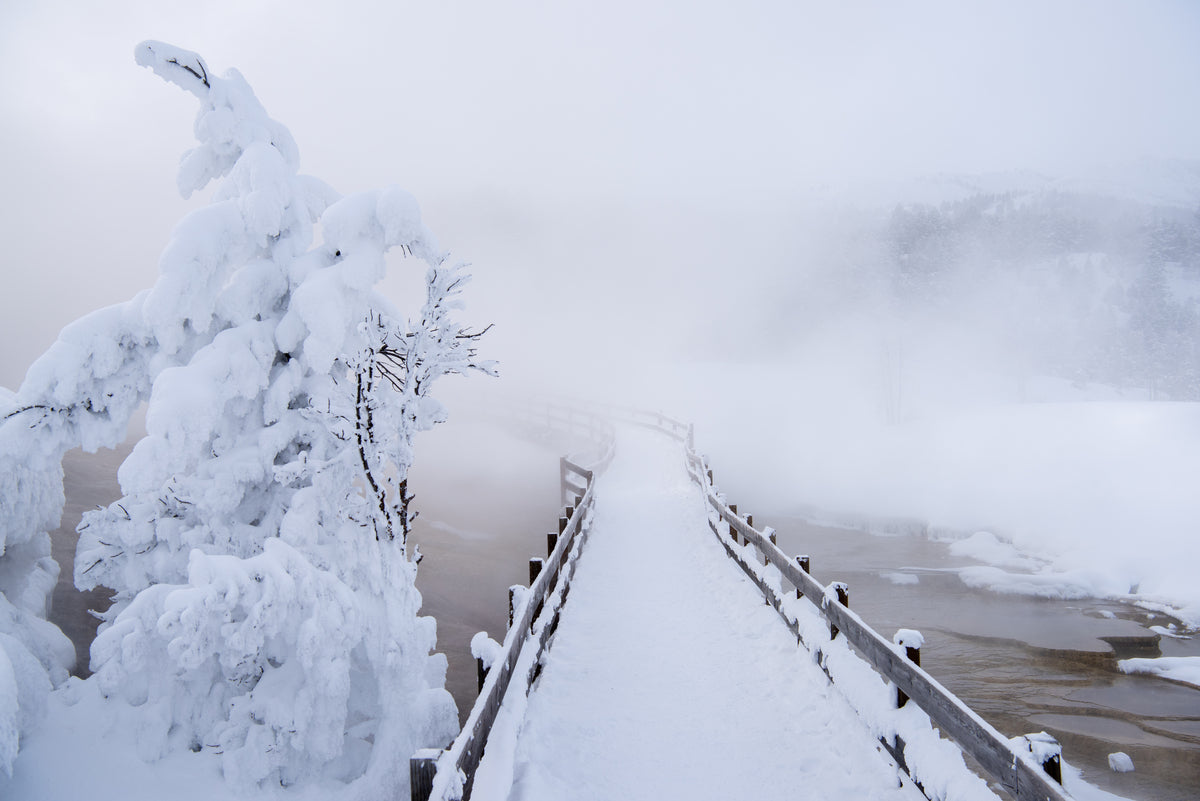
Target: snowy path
[(669, 677)]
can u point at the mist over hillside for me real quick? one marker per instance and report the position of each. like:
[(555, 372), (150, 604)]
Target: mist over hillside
[(1093, 280)]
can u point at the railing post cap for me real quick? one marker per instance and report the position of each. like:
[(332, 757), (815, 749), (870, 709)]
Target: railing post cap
[(485, 648), (908, 638), (424, 754), (1041, 745), (834, 592)]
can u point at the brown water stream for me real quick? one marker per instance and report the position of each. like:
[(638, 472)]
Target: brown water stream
[(486, 502), (1025, 664)]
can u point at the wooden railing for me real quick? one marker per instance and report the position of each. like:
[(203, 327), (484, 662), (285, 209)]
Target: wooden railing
[(1028, 773), (536, 420), (658, 421), (449, 773), (1031, 772)]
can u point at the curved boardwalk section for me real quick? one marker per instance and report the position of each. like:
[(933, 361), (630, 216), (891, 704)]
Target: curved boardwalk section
[(668, 677)]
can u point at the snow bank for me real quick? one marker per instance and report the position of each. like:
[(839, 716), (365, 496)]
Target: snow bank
[(1081, 499), (986, 547), (1176, 668)]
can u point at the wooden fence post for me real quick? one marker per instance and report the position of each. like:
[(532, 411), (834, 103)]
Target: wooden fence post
[(803, 561), (422, 767), (551, 542), (480, 672), (1047, 752), (562, 523), (843, 597), (1053, 767), (911, 641), (512, 603), (733, 531), (772, 538), (535, 569)]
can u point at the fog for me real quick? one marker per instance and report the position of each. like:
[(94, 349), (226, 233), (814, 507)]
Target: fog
[(824, 233), (634, 184)]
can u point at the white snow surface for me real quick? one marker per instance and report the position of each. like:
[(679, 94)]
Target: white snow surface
[(99, 743), (485, 648), (682, 684), (984, 546), (1120, 762), (908, 638), (1177, 668)]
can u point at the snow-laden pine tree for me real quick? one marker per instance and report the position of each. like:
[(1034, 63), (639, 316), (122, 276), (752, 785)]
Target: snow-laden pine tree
[(266, 607), (34, 655)]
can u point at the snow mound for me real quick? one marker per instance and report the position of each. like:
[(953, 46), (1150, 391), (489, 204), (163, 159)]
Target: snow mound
[(1177, 668), (1120, 762)]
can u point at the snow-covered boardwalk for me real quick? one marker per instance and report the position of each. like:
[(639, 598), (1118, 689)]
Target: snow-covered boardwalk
[(668, 677)]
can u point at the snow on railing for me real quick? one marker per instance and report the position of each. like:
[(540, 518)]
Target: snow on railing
[(592, 433), (1027, 768), (819, 616), (449, 773), (676, 429)]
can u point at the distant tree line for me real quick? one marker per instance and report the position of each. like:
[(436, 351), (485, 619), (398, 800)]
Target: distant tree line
[(1088, 287)]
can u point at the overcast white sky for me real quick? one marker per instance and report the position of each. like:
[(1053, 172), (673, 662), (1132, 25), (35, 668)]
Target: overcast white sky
[(628, 147)]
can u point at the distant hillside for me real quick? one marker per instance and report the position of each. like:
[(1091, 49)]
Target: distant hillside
[(1094, 280), (1151, 182)]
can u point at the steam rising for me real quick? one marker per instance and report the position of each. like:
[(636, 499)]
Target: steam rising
[(824, 229)]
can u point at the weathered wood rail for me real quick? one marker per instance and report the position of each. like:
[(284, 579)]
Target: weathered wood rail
[(1031, 772), (590, 433), (449, 773), (1027, 769)]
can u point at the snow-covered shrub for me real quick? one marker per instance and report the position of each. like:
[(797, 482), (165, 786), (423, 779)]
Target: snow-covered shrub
[(82, 393), (34, 655), (265, 603)]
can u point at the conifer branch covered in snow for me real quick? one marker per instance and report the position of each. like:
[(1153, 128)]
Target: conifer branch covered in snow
[(265, 609), (406, 361)]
